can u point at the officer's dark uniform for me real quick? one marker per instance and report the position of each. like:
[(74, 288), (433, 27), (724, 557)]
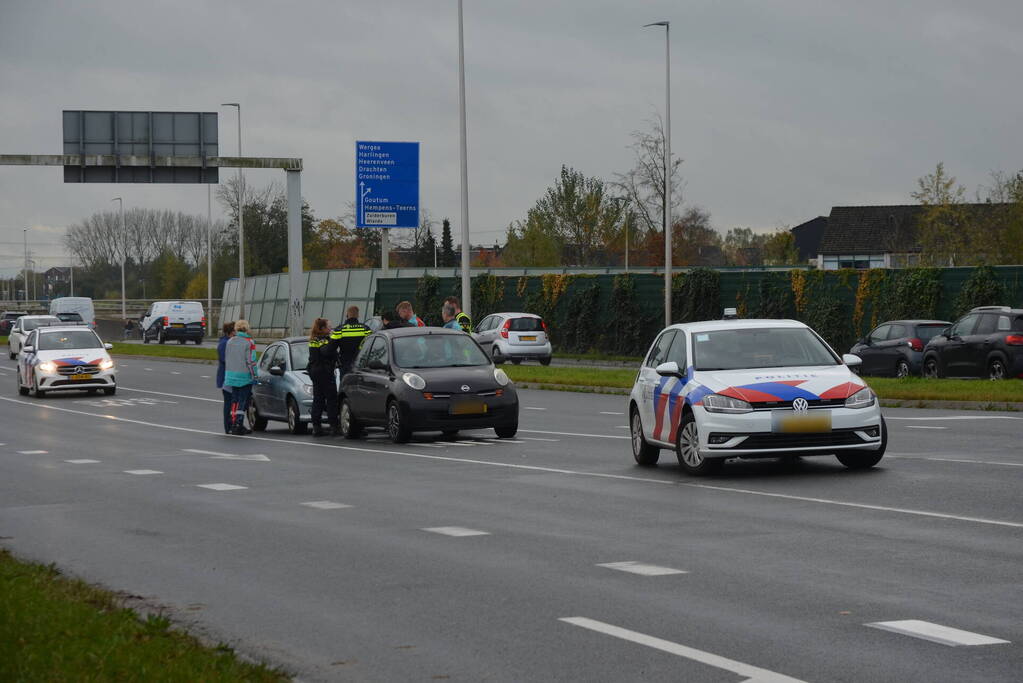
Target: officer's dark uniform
[(465, 322), (322, 361), (348, 337)]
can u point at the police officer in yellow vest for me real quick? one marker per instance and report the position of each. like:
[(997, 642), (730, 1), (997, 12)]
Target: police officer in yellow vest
[(322, 361), (464, 321), (349, 337)]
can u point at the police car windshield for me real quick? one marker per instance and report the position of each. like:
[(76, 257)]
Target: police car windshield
[(437, 351), (760, 347), (69, 340), (299, 356)]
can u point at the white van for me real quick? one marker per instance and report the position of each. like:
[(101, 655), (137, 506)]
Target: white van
[(66, 308), (181, 320)]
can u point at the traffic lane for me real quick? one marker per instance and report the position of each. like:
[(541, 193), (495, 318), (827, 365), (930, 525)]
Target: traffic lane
[(650, 518)]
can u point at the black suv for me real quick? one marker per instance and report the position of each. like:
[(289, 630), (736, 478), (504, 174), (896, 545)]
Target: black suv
[(986, 342), (7, 319), (896, 348)]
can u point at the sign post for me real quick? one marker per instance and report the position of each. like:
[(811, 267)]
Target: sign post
[(386, 188)]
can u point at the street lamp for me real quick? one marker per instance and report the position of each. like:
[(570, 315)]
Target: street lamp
[(241, 211), (24, 234), (667, 169), (124, 242), (466, 291)]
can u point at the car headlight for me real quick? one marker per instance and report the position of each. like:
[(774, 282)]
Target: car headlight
[(308, 389), (414, 381), (716, 403), (501, 377), (106, 364), (48, 367), (864, 398)]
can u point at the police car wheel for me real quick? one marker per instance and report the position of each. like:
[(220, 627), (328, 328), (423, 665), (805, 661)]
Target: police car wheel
[(687, 448), (39, 393), (21, 390), (863, 460), (645, 454), (110, 391)]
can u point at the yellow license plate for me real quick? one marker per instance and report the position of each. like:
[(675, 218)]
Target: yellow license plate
[(177, 324), (531, 337), (468, 408), (801, 423), (82, 376)]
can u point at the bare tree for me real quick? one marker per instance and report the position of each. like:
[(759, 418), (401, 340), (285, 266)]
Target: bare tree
[(643, 184)]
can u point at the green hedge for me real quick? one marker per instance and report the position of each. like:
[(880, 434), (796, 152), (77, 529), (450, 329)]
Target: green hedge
[(620, 314)]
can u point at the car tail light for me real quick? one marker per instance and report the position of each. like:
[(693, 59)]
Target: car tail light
[(916, 344), (505, 328), (203, 321), (1014, 340), (544, 323), (166, 321)]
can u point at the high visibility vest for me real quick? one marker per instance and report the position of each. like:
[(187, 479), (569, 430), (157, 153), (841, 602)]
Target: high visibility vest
[(464, 321)]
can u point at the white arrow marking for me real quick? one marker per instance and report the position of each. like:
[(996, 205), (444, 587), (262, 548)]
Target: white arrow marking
[(936, 633), (228, 456), (642, 569), (221, 487)]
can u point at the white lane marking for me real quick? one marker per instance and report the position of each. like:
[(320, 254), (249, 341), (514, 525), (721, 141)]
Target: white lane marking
[(474, 443), (32, 452), (257, 457), (959, 460), (503, 441), (753, 674), (621, 426), (595, 436), (221, 487), (641, 569), (163, 393), (958, 417), (532, 408), (325, 505), (426, 445), (924, 427), (202, 452), (148, 369), (82, 461), (143, 472), (862, 506), (936, 633), (517, 466), (527, 438), (175, 372), (458, 531), (204, 376), (458, 443), (609, 412)]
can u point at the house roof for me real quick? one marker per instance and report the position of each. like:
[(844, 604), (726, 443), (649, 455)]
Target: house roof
[(808, 236), (871, 229)]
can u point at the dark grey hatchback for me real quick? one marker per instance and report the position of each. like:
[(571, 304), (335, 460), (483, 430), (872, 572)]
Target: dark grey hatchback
[(420, 379), (896, 348)]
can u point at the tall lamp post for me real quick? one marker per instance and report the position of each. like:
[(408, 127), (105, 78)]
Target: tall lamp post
[(466, 290), (209, 255), (24, 234), (667, 169), (124, 243), (241, 211)]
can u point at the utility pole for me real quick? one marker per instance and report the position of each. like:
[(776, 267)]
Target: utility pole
[(466, 289), (209, 255), (124, 244), (24, 234), (667, 169), (241, 213)]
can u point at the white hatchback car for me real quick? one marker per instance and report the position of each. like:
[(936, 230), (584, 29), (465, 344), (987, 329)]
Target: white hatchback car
[(23, 327), (751, 389), (514, 337), (61, 358)]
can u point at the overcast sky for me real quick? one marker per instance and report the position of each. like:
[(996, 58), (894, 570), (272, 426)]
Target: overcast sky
[(780, 108)]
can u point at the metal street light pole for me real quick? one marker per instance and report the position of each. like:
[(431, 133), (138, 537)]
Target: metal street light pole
[(209, 256), (24, 234), (466, 291), (124, 242), (667, 169), (241, 212)]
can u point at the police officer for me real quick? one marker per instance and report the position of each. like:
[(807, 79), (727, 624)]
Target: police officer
[(322, 361), (349, 337), (464, 321)]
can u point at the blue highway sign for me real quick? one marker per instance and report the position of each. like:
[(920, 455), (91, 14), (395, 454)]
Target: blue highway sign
[(386, 184)]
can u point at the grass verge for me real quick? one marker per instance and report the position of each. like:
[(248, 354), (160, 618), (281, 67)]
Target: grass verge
[(165, 351), (58, 629), (583, 377)]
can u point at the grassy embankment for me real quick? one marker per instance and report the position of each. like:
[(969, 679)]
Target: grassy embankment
[(58, 629), (165, 351)]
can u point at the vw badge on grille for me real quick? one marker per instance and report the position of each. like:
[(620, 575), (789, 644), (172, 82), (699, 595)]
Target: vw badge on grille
[(465, 387), (800, 405)]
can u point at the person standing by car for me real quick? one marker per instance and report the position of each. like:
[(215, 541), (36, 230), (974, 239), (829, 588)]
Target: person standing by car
[(405, 313), (392, 321), (464, 321), (448, 312), (348, 338), (322, 361), (228, 332), (239, 374)]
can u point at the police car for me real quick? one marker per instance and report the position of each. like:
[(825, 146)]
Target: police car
[(63, 357), (751, 389)]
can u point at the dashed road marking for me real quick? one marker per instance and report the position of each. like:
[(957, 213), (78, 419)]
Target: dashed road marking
[(642, 569), (958, 417), (608, 412), (175, 372), (924, 427), (32, 452), (474, 443), (164, 393), (426, 445), (936, 633), (459, 443), (148, 369), (752, 673), (957, 460), (221, 487), (325, 505), (143, 472), (82, 461), (595, 436), (458, 531), (527, 438), (532, 408), (204, 376)]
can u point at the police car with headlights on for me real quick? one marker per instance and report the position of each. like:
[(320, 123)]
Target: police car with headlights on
[(63, 357), (751, 389)]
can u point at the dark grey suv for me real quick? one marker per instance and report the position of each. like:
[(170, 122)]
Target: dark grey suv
[(986, 342)]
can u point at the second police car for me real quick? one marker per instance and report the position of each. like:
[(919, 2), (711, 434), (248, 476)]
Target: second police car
[(751, 389), (65, 357)]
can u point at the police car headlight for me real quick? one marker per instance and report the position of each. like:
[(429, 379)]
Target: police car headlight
[(106, 364), (48, 367), (308, 389), (864, 398), (414, 381), (716, 403), (501, 377)]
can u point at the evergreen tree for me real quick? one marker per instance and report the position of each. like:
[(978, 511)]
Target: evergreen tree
[(447, 246)]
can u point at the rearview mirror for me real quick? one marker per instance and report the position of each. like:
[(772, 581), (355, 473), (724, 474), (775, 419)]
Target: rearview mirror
[(277, 370), (377, 364), (851, 360), (669, 369)]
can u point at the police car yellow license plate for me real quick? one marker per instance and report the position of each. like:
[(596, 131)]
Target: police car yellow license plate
[(81, 376), (468, 407), (785, 422)]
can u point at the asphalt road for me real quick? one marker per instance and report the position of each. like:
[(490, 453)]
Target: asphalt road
[(330, 562)]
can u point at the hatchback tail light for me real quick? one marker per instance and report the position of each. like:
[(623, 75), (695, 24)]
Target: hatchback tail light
[(1014, 340), (544, 323), (915, 344), (505, 328)]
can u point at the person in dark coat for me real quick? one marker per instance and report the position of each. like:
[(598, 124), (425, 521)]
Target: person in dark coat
[(322, 361), (349, 336), (228, 395)]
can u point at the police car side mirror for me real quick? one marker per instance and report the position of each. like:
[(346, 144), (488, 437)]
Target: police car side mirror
[(108, 346), (851, 360), (28, 349), (669, 369)]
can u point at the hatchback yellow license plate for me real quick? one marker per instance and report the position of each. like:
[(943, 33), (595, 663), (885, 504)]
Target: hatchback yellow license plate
[(531, 337), (177, 324), (801, 423), (81, 376), (468, 408)]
